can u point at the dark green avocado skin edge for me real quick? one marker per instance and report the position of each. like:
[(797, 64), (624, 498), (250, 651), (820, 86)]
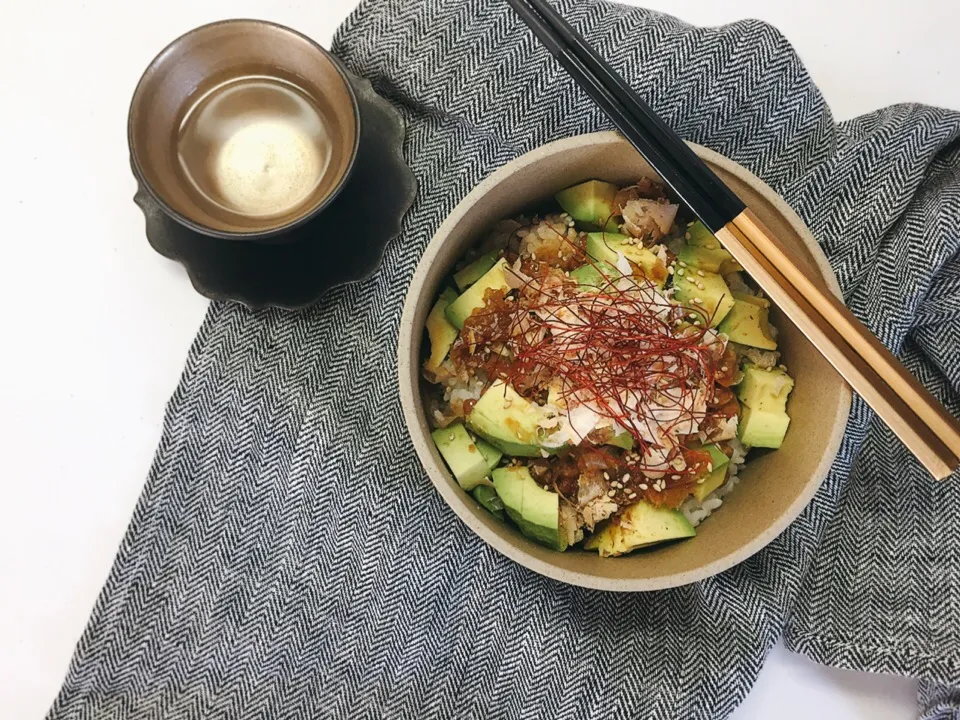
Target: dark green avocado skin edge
[(294, 271)]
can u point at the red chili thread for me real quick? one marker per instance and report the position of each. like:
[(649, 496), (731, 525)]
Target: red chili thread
[(609, 348)]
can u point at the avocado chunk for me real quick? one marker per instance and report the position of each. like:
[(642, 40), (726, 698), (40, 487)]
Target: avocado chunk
[(488, 498), (717, 457), (639, 526), (714, 480), (603, 247), (592, 203), (717, 475), (706, 259), (460, 309), (598, 276), (748, 323), (752, 299), (707, 293), (461, 455), (622, 440), (763, 428), (698, 236), (475, 270), (507, 420), (765, 390), (491, 454), (441, 331), (534, 510)]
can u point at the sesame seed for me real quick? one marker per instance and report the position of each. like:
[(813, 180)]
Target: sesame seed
[(626, 478), (701, 481), (680, 272), (644, 486), (682, 264), (675, 477), (700, 273), (452, 437), (709, 467), (544, 453), (612, 493), (698, 301), (701, 286), (670, 270), (723, 368), (606, 476), (686, 236)]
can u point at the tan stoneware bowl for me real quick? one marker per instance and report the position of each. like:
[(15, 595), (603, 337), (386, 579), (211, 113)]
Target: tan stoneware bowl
[(775, 486)]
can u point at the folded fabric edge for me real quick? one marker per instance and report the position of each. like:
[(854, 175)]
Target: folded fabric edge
[(840, 653), (938, 702)]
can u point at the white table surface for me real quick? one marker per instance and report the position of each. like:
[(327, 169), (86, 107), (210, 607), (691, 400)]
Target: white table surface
[(96, 325)]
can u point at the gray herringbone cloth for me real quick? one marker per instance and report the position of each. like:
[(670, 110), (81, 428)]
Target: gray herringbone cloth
[(289, 558)]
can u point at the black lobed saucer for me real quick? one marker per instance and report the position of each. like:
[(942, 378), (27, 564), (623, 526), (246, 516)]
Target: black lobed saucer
[(343, 244)]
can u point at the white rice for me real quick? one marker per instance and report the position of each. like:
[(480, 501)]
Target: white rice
[(695, 511)]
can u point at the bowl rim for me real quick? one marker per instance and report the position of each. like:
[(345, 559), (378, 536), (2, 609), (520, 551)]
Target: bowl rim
[(253, 234), (409, 395)]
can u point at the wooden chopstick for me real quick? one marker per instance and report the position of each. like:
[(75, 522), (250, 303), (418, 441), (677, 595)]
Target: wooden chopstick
[(891, 402), (914, 415)]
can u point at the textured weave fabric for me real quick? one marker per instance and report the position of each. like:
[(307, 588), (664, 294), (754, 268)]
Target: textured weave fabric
[(289, 558)]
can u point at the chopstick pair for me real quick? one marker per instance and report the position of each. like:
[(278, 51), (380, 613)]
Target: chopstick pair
[(914, 415)]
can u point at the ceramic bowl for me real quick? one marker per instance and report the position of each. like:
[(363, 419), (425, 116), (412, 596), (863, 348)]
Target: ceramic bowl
[(243, 130), (775, 486), (296, 270)]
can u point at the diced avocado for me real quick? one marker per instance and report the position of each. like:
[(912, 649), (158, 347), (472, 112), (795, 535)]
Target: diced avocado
[(730, 266), (752, 299), (717, 457), (509, 482), (764, 390), (460, 309), (717, 475), (491, 454), (707, 292), (487, 496), (698, 235), (713, 481), (475, 270), (748, 323), (592, 276), (639, 526), (591, 203), (622, 440), (461, 455), (716, 261), (763, 428), (441, 331), (507, 420), (534, 510), (604, 247)]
